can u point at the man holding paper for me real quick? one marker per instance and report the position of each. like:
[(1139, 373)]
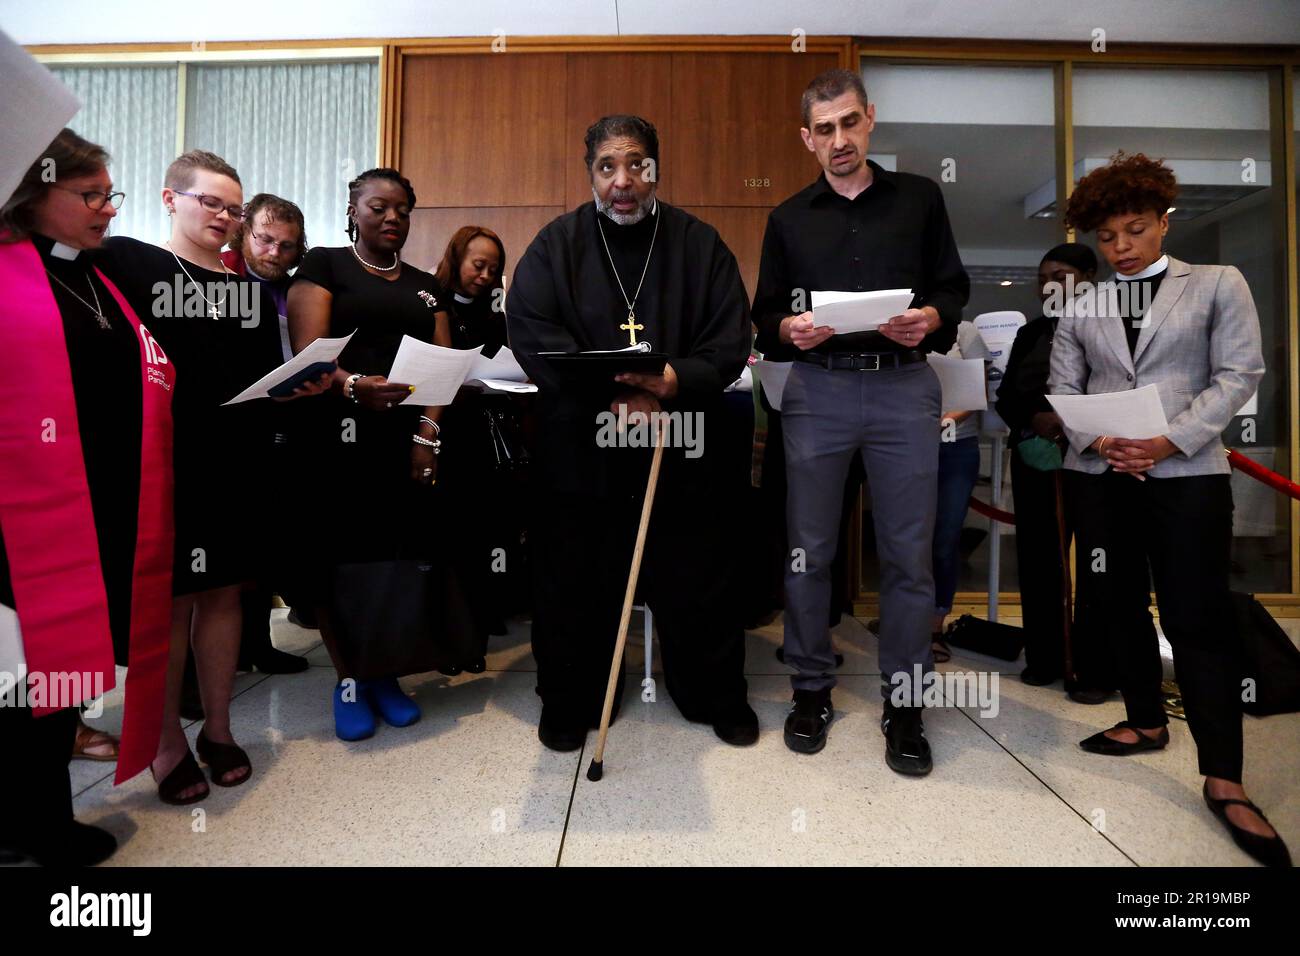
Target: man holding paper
[(628, 269), (859, 228)]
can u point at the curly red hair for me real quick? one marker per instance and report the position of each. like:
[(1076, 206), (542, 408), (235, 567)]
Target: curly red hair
[(1127, 184)]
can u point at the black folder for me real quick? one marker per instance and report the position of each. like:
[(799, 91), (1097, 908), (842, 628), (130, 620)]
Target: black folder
[(596, 370)]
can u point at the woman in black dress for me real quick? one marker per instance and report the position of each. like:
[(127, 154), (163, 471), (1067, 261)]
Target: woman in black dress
[(486, 480), (377, 482), (221, 332)]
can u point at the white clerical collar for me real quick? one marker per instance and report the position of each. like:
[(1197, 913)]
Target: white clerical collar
[(1157, 267), (462, 299), (60, 251)]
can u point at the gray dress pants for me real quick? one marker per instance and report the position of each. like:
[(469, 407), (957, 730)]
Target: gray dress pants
[(891, 418)]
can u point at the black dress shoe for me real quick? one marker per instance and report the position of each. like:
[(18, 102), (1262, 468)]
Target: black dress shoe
[(1270, 851), (906, 749), (809, 718), (78, 845), (1087, 695), (476, 666), (301, 617), (1110, 747), (1036, 678), (560, 729), (736, 723), (273, 661)]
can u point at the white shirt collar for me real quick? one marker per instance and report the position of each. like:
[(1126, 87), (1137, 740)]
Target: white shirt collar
[(462, 299), (1157, 267), (60, 251)]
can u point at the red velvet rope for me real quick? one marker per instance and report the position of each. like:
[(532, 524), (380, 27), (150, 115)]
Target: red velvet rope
[(1279, 483)]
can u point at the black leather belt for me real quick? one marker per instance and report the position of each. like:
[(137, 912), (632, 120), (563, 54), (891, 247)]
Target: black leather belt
[(861, 361)]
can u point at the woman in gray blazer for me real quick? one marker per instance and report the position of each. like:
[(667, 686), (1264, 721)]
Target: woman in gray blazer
[(1160, 509)]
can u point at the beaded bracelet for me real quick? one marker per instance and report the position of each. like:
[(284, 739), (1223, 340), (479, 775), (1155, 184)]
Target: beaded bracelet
[(435, 444), (349, 388)]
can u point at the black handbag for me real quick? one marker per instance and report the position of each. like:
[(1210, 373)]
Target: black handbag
[(1267, 658), (398, 617), (986, 637)]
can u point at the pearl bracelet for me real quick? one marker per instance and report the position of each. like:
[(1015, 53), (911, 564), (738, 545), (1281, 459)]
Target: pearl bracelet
[(435, 444), (349, 388)]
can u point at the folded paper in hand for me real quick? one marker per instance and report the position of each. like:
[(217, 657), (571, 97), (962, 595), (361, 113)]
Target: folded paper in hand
[(858, 311), (1135, 413), (322, 350)]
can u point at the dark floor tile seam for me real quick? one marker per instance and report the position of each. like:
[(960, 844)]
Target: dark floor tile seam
[(1046, 786)]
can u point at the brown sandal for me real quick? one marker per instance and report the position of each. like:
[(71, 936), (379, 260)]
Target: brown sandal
[(184, 775), (222, 759), (88, 737)]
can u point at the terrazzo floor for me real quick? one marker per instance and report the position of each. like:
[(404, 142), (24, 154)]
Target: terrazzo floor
[(471, 784)]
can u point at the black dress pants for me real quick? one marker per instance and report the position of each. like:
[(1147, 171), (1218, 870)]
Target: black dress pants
[(36, 796), (1176, 532), (1038, 559), (583, 549)]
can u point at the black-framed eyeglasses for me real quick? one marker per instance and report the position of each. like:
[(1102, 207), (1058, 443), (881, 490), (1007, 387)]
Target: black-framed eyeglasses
[(213, 204), (94, 199), (268, 243)]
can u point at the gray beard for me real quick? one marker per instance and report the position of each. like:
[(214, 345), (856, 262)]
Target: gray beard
[(624, 218)]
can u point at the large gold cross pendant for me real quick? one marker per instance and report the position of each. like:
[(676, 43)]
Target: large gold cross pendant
[(631, 328)]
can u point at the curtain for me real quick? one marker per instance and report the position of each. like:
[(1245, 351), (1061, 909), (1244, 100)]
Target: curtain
[(131, 112), (298, 130)]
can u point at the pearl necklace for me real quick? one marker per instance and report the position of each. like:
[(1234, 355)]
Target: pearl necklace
[(371, 265)]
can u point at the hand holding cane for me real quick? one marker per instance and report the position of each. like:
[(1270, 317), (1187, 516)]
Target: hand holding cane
[(596, 769)]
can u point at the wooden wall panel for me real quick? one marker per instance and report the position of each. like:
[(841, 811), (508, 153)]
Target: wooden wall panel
[(736, 118), (741, 228), (431, 229), (484, 129), (604, 83)]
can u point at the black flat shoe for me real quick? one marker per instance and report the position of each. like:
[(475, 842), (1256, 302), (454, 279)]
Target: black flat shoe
[(1270, 851), (560, 731), (736, 723), (906, 749), (1038, 678), (1110, 747), (809, 719)]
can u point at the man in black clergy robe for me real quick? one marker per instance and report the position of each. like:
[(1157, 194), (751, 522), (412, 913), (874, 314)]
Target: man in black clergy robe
[(621, 270)]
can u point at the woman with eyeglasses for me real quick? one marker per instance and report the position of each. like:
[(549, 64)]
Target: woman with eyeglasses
[(85, 501), (222, 333)]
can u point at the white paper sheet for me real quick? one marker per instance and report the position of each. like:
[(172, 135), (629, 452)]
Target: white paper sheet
[(772, 376), (35, 106), (1136, 413), (436, 372), (322, 350), (962, 381), (502, 367), (858, 311)]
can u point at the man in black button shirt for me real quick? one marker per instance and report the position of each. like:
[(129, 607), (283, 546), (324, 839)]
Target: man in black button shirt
[(859, 228)]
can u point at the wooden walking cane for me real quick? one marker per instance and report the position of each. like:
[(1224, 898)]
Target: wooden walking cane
[(596, 770), (1067, 585)]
